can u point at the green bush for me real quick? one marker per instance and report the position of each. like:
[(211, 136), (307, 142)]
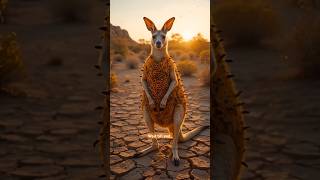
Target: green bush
[(246, 22), (11, 65), (187, 67)]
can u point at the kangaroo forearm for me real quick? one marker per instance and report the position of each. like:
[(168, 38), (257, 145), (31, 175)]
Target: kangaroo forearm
[(171, 87), (146, 89)]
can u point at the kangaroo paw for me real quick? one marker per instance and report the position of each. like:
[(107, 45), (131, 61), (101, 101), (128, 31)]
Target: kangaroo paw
[(175, 157)]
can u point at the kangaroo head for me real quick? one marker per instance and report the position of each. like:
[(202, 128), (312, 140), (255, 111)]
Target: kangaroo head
[(159, 39)]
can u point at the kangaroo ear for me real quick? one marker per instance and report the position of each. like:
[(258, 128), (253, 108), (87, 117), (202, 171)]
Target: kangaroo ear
[(168, 24), (150, 25)]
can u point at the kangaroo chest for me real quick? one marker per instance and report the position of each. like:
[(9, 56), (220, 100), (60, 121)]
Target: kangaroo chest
[(158, 78)]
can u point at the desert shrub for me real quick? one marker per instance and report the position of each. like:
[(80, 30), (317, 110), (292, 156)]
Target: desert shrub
[(205, 57), (198, 44), (184, 57), (246, 22), (176, 54), (118, 58), (136, 49), (142, 57), (205, 77), (192, 56), (303, 46), (71, 10), (113, 80), (120, 47), (187, 67), (132, 62), (11, 65)]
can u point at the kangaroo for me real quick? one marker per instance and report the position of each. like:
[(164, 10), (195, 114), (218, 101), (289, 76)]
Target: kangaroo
[(163, 98)]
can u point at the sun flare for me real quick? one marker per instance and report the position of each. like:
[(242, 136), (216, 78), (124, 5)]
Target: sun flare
[(187, 35)]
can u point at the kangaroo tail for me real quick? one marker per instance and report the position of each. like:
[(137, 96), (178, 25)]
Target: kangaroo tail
[(183, 137)]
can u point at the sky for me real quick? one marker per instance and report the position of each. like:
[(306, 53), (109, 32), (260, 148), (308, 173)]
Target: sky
[(192, 16)]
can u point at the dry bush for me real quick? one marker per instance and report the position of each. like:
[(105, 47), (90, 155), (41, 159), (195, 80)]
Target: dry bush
[(198, 44), (71, 10), (246, 22), (120, 47), (136, 49), (11, 65), (205, 77), (192, 56), (176, 54), (303, 46), (113, 80), (184, 57), (205, 57), (187, 67), (132, 62), (142, 56), (118, 58)]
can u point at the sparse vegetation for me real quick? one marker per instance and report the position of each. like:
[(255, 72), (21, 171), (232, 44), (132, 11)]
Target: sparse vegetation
[(120, 47), (184, 57), (205, 77), (187, 67), (71, 11), (198, 44), (303, 46), (132, 62), (142, 56), (113, 80), (11, 65), (252, 21), (205, 57), (118, 58), (136, 49)]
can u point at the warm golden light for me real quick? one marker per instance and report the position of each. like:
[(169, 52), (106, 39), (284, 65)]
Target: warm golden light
[(187, 35)]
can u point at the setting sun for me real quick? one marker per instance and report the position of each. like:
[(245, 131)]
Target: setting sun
[(192, 17), (187, 36)]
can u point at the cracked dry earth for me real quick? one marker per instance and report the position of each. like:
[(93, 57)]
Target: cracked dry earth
[(129, 134), (283, 120)]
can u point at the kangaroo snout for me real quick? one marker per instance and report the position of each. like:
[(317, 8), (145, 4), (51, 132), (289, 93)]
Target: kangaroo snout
[(158, 44)]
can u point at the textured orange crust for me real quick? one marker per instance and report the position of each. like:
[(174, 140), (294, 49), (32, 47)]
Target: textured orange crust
[(157, 75)]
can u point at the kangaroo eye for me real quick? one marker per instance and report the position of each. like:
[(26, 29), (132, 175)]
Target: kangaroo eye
[(163, 37), (154, 36)]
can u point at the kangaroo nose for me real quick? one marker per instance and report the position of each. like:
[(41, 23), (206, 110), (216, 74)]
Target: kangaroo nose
[(158, 43)]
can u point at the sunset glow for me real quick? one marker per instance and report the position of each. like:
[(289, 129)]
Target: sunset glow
[(187, 35), (192, 16)]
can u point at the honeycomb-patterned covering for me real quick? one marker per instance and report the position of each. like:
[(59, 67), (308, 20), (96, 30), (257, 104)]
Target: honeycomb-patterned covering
[(157, 75)]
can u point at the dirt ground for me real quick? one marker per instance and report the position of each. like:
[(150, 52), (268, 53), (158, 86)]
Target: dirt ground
[(129, 133), (49, 134), (284, 119)]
